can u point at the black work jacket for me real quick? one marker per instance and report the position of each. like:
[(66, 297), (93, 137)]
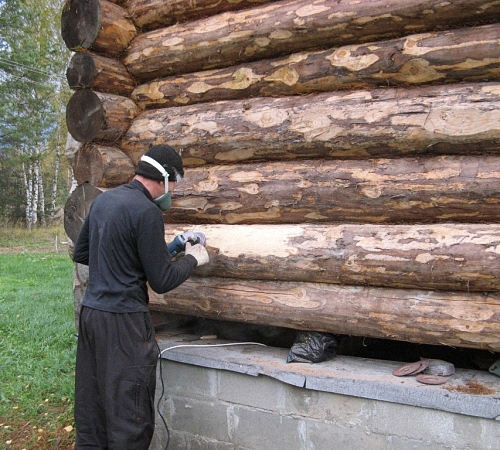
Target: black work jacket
[(122, 241)]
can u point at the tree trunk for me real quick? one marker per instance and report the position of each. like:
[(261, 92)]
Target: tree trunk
[(77, 207), (102, 166), (97, 25), (444, 318), (425, 190), (289, 26), (88, 70), (151, 14), (454, 119), (436, 257), (416, 59), (99, 117)]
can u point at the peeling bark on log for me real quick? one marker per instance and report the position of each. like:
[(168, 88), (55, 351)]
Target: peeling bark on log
[(88, 70), (470, 54), (103, 167), (447, 318), (77, 207), (455, 119), (289, 26), (151, 14), (97, 116), (436, 257), (383, 191), (97, 25)]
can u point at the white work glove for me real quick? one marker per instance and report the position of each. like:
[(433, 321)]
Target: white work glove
[(199, 252)]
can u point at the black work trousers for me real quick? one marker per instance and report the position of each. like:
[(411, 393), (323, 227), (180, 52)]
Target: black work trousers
[(115, 381)]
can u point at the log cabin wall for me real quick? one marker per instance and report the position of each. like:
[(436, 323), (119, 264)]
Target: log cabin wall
[(343, 158)]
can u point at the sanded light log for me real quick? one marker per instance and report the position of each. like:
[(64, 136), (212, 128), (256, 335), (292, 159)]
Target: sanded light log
[(98, 116), (448, 257), (77, 207), (97, 25), (102, 166), (381, 191), (151, 14), (102, 74), (425, 317), (451, 119), (289, 26), (468, 54)]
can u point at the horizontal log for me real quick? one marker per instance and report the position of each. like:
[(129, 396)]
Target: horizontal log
[(96, 116), (88, 70), (98, 25), (469, 54), (424, 317), (290, 26), (102, 166), (382, 191), (447, 257), (151, 14), (454, 119)]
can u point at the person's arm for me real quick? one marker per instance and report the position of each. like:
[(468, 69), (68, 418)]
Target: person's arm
[(162, 274), (81, 250)]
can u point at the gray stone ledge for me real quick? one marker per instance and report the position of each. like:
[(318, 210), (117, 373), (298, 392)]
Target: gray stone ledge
[(469, 392)]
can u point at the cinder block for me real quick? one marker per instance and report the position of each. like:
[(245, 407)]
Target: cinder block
[(327, 406), (337, 436), (187, 380), (176, 441), (398, 443), (262, 430), (199, 417), (201, 443), (258, 392)]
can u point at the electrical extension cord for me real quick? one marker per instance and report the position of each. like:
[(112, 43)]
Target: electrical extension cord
[(160, 353)]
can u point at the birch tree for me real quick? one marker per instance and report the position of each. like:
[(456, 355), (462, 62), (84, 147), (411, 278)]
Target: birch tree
[(33, 88)]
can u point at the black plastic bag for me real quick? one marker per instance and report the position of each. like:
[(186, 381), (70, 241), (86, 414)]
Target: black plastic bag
[(312, 347)]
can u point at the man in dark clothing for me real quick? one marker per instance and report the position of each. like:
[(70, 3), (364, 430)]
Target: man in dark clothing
[(122, 241)]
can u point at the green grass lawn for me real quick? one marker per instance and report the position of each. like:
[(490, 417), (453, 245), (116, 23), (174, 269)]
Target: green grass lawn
[(37, 342)]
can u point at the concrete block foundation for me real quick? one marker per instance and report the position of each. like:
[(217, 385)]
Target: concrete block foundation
[(246, 397)]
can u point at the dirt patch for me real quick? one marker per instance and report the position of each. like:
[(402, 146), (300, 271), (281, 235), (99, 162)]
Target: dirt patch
[(24, 435), (472, 387)]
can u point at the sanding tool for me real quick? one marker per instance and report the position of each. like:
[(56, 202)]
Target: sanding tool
[(179, 243)]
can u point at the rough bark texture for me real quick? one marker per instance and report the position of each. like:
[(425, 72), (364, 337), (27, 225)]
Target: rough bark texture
[(439, 257), (457, 119), (95, 116), (289, 26), (102, 166), (455, 319), (77, 207), (338, 239), (98, 25), (88, 70), (150, 14), (470, 54), (384, 191)]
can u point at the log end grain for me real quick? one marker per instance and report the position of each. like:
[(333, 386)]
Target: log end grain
[(80, 23), (85, 115), (81, 71), (77, 207)]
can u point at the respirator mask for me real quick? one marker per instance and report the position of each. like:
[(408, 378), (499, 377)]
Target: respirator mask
[(164, 201)]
